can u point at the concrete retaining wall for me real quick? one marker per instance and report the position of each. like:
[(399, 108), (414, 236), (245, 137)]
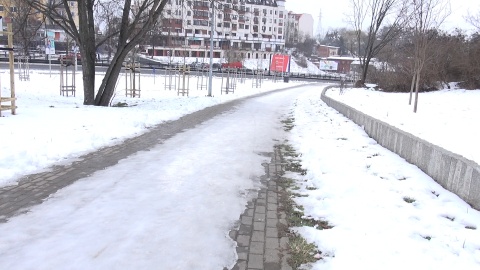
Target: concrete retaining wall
[(455, 173)]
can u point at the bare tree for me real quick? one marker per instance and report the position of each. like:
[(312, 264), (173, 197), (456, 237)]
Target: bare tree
[(26, 23), (428, 15), (137, 18), (108, 22), (474, 20), (376, 14)]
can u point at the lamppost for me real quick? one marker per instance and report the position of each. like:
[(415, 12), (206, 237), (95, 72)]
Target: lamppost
[(210, 70)]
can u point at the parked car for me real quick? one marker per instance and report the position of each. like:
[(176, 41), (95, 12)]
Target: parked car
[(232, 65), (70, 57), (198, 66), (217, 66), (195, 66)]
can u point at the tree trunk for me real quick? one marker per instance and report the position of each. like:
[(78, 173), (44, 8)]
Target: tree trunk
[(88, 68), (107, 88), (365, 70), (412, 86), (417, 84)]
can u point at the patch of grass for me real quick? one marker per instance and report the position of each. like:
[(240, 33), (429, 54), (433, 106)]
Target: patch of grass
[(301, 251), (295, 167), (409, 200), (299, 195), (288, 123), (286, 182)]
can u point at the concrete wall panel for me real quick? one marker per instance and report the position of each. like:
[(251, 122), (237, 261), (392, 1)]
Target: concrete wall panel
[(452, 171)]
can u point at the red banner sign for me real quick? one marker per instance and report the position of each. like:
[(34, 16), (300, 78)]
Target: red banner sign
[(279, 63)]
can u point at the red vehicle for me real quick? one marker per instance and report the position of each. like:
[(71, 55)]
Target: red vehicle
[(71, 56), (232, 65)]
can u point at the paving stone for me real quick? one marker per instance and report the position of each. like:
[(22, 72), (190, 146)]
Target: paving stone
[(272, 214), (259, 226), (255, 261), (272, 206), (258, 236), (260, 209), (271, 232), (271, 242), (247, 220), (241, 265), (272, 222), (261, 202), (245, 229), (271, 266), (257, 247), (259, 217), (284, 242), (243, 240), (272, 256), (233, 234)]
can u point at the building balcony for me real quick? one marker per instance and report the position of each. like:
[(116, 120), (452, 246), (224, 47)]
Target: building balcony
[(201, 8), (200, 17)]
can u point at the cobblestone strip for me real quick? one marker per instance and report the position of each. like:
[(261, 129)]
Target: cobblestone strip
[(259, 243)]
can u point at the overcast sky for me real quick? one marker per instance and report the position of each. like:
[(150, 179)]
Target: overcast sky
[(334, 12)]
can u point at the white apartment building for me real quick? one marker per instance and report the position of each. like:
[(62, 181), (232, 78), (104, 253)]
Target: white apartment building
[(252, 28), (298, 27)]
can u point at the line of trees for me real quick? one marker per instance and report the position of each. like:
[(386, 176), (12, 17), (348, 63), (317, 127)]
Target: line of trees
[(405, 37)]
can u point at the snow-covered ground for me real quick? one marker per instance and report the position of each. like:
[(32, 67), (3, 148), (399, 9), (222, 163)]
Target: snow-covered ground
[(49, 128), (386, 213), (448, 118)]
